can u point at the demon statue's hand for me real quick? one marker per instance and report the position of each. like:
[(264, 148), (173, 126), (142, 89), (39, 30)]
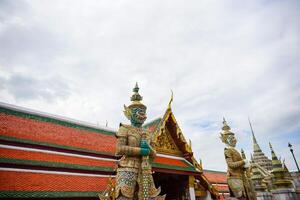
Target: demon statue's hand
[(144, 144), (145, 148)]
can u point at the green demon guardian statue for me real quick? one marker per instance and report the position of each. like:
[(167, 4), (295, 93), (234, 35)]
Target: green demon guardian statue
[(134, 176), (239, 183)]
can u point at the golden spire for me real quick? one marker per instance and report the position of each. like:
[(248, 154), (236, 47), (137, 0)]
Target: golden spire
[(280, 180), (274, 157), (256, 147), (286, 171), (254, 139)]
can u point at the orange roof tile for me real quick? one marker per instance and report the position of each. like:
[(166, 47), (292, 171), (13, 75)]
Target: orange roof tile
[(215, 177), (50, 133), (26, 181), (42, 158), (222, 188)]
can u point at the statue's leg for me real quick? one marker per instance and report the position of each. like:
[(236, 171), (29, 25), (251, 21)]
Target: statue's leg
[(236, 186), (125, 185)]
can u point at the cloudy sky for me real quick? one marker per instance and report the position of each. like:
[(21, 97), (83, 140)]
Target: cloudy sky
[(81, 59)]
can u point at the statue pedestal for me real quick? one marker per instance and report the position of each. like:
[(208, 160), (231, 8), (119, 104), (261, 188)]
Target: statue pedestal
[(284, 194), (231, 198), (264, 196), (298, 193)]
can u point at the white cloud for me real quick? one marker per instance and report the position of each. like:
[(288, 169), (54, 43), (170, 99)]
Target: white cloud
[(232, 59)]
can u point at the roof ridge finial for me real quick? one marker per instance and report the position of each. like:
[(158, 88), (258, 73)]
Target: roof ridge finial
[(171, 100), (200, 162)]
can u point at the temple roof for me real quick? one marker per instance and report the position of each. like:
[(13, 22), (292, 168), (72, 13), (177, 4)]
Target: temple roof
[(169, 138), (41, 129), (171, 141), (29, 127), (43, 116), (215, 176), (53, 146)]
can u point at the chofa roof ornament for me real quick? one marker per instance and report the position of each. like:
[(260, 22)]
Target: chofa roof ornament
[(171, 100)]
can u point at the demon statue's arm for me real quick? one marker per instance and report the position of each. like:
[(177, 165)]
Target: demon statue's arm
[(123, 147), (229, 160)]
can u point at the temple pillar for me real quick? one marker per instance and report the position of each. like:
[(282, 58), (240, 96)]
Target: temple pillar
[(208, 196), (264, 196), (192, 187)]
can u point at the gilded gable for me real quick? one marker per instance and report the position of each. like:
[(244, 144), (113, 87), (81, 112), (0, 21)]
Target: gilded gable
[(166, 144)]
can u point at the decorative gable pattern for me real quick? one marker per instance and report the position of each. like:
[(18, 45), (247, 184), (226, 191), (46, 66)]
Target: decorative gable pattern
[(166, 144), (169, 138)]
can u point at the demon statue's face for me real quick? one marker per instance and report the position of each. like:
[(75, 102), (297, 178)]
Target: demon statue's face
[(138, 116), (231, 141)]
